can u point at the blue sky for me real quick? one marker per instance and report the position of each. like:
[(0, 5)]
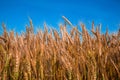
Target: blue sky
[(15, 13)]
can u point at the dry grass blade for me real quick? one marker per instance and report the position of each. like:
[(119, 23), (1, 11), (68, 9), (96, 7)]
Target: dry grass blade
[(66, 20)]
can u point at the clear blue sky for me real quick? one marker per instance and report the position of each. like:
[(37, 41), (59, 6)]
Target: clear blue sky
[(15, 13)]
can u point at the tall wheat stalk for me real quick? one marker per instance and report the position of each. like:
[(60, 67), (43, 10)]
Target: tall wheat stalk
[(64, 55)]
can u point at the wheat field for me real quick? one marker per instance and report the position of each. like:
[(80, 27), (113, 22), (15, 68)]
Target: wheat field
[(63, 55)]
